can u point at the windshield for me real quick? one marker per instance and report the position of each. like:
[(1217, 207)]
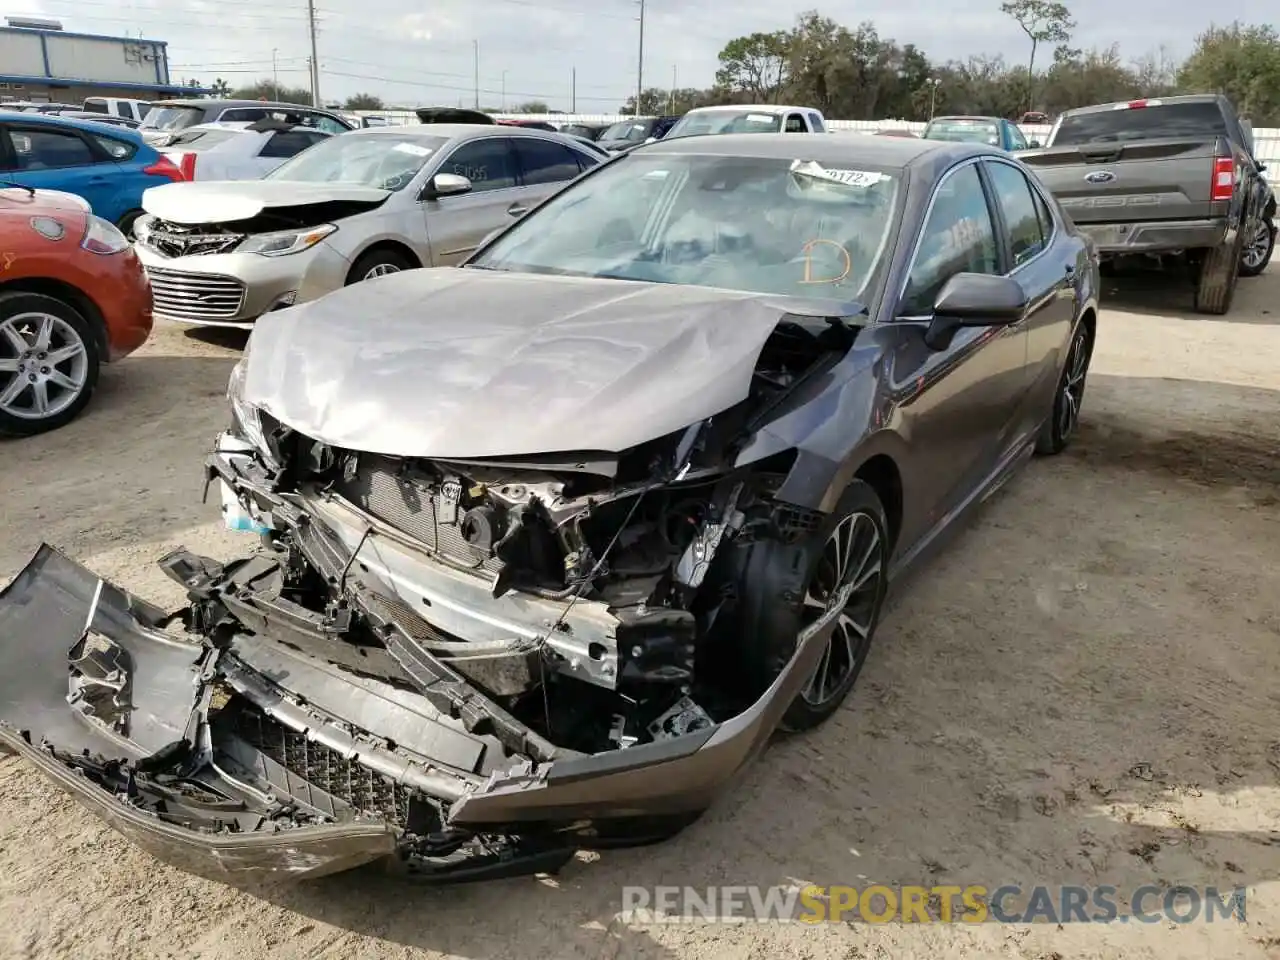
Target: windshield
[(1154, 121), (632, 130), (964, 131), (379, 160), (726, 121), (172, 118), (777, 226)]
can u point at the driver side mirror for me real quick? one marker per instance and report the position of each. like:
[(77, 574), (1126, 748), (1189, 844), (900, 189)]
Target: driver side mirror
[(445, 185), (974, 300)]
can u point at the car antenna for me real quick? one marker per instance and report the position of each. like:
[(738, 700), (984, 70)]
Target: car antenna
[(31, 191)]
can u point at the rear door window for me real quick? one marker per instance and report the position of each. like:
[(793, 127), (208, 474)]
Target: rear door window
[(544, 162), (795, 124), (1151, 122), (35, 148)]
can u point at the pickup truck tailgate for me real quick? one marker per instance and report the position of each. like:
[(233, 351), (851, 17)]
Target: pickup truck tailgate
[(1146, 180)]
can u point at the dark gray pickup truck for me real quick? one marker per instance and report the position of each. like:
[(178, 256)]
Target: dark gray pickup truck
[(1174, 176)]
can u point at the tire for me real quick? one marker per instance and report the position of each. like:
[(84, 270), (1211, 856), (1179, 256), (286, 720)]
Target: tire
[(1258, 248), (1219, 270), (378, 263), (1068, 397), (782, 576), (125, 223), (67, 384)]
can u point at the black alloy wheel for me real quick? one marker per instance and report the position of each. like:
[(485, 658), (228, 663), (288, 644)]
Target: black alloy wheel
[(1069, 397)]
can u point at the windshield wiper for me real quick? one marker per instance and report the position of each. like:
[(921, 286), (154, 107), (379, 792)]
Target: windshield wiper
[(20, 186)]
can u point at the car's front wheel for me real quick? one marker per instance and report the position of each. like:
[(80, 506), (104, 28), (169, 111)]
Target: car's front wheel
[(48, 363), (378, 263), (840, 568)]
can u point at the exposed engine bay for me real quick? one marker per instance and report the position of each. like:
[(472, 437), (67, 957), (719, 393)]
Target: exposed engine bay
[(593, 598), (472, 666)]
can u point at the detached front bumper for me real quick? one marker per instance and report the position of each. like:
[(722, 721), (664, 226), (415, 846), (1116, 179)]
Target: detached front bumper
[(272, 747)]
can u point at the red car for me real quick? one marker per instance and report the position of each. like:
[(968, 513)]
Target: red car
[(73, 295)]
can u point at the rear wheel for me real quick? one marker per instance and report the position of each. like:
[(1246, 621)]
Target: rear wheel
[(1219, 270), (48, 363), (126, 223), (1063, 420), (1258, 248)]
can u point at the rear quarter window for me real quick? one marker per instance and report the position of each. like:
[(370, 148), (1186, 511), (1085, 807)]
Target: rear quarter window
[(118, 150)]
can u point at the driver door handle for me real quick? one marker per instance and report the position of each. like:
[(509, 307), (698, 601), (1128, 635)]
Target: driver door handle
[(517, 210)]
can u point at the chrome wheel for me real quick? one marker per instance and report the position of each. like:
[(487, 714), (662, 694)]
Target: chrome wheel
[(44, 366), (848, 576), (381, 270), (1257, 246), (1073, 385)]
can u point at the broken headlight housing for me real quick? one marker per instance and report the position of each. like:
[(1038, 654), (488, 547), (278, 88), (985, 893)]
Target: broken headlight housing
[(245, 421)]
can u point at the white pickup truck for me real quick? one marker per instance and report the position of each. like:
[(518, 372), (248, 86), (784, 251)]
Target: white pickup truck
[(748, 118)]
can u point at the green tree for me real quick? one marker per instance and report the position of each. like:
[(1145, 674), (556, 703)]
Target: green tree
[(755, 66), (363, 101), (653, 102), (1043, 21), (533, 106), (268, 90), (220, 88), (1242, 62)]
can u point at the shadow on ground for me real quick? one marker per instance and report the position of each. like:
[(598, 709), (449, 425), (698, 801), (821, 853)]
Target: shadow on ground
[(1168, 293)]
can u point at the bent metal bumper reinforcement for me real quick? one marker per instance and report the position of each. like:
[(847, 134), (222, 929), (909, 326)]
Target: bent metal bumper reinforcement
[(248, 745)]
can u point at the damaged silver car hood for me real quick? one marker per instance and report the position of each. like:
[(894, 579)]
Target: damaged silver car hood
[(224, 201), (464, 363)]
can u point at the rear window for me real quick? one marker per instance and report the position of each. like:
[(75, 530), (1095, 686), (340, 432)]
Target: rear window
[(193, 141), (172, 118), (964, 131), (1201, 120)]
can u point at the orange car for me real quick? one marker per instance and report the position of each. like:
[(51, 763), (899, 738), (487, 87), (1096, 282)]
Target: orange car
[(73, 295)]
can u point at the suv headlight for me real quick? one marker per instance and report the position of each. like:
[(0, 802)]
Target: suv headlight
[(284, 242), (103, 238)]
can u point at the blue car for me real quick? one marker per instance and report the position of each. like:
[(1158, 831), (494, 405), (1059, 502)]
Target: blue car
[(989, 131), (107, 166)]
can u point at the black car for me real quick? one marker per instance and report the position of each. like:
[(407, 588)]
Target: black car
[(585, 131), (627, 134), (554, 541)]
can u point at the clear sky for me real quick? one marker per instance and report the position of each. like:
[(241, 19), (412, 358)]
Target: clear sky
[(422, 52)]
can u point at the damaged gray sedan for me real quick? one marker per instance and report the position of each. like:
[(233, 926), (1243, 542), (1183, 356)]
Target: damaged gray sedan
[(553, 542)]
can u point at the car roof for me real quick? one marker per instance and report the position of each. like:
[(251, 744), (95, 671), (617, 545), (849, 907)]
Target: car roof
[(222, 104), (451, 130), (95, 127), (882, 151), (964, 116), (751, 108), (1153, 101)]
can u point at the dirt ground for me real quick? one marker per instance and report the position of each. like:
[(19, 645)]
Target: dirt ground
[(1081, 689)]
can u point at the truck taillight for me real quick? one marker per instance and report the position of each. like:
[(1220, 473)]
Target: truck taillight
[(164, 167), (1224, 179)]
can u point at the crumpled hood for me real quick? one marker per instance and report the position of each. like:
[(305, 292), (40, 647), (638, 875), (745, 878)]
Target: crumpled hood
[(225, 201), (454, 362)]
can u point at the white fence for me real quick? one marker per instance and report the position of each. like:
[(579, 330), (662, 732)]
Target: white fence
[(1266, 141)]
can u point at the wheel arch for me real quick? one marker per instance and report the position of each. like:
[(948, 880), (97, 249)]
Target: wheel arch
[(390, 246), (77, 298), (882, 474)]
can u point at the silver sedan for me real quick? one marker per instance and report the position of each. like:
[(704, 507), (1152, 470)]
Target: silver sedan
[(356, 206)]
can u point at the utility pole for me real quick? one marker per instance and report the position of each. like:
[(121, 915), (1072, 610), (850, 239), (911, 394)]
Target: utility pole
[(933, 94), (315, 59), (504, 91), (275, 76), (573, 89), (672, 108), (640, 64), (475, 57)]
